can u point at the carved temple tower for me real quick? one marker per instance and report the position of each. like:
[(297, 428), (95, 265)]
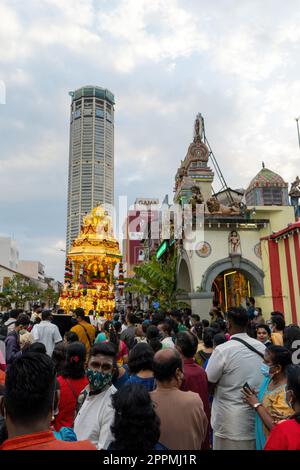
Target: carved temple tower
[(194, 170)]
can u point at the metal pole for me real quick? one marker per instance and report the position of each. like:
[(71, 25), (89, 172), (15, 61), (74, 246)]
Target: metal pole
[(297, 121)]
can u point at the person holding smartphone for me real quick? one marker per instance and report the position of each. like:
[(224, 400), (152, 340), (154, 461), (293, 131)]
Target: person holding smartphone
[(270, 401)]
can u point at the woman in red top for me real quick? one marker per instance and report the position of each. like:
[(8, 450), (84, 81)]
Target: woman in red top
[(72, 381), (286, 435)]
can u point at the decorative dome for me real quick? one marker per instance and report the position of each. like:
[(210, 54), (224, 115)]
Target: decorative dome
[(267, 178), (267, 189)]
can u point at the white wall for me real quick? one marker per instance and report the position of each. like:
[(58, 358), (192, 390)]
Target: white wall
[(218, 240), (31, 269), (9, 254)]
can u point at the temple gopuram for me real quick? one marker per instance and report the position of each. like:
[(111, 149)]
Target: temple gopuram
[(91, 262)]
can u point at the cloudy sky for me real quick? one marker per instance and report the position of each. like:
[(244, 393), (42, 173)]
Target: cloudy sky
[(235, 61)]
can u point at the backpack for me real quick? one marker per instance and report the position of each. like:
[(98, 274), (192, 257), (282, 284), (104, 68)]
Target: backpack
[(4, 329)]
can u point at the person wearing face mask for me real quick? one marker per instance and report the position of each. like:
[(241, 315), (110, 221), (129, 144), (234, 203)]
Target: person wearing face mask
[(84, 330), (286, 434), (270, 400), (166, 335), (96, 414), (12, 341), (182, 417)]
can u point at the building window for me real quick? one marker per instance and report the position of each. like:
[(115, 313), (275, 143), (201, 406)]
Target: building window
[(99, 113), (272, 196)]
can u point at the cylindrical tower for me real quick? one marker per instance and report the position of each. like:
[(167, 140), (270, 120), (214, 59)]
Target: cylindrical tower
[(91, 160)]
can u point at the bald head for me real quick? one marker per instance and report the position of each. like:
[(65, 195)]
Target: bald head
[(166, 354), (165, 364)]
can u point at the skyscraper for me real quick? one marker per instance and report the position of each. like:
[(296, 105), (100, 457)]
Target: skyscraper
[(91, 161)]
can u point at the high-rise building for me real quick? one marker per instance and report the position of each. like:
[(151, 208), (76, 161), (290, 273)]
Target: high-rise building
[(9, 253), (91, 161)]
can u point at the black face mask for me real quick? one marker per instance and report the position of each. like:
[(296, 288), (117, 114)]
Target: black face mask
[(74, 321)]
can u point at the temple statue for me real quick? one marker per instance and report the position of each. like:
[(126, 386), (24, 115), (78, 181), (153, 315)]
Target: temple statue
[(234, 242), (215, 208), (195, 199), (295, 188), (199, 128)]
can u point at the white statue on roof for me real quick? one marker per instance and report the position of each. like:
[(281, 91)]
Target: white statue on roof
[(199, 127)]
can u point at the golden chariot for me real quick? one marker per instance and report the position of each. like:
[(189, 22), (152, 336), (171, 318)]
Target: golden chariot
[(92, 258)]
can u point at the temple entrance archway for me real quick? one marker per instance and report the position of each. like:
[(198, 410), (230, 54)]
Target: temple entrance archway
[(184, 281), (232, 280)]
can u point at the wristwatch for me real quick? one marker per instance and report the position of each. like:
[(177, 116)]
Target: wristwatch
[(256, 405)]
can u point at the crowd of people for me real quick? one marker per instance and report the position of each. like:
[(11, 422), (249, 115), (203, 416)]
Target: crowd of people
[(150, 381)]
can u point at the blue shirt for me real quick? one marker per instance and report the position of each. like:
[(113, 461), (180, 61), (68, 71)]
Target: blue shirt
[(149, 382), (65, 434), (120, 381)]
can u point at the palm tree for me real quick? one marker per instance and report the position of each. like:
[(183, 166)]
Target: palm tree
[(157, 281)]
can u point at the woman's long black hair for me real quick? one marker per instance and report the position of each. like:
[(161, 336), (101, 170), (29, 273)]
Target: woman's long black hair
[(293, 383), (136, 425), (75, 359)]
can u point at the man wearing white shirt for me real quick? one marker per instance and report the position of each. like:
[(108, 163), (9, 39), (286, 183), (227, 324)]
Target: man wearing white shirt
[(231, 365), (166, 331), (96, 415), (46, 332)]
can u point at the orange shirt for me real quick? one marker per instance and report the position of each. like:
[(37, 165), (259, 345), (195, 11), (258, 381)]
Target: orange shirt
[(2, 377), (277, 338), (85, 332), (44, 441)]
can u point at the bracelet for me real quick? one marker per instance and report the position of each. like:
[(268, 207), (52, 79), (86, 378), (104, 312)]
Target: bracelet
[(256, 405)]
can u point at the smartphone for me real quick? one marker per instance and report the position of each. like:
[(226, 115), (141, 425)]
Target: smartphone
[(247, 387)]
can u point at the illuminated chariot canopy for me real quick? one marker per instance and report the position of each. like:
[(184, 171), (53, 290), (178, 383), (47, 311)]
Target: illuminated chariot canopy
[(89, 280)]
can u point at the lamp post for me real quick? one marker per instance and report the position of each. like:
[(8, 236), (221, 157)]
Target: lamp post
[(297, 122)]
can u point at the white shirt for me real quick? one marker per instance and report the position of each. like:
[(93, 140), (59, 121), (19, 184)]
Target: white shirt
[(34, 316), (95, 418), (48, 334), (167, 343), (11, 324), (230, 366)]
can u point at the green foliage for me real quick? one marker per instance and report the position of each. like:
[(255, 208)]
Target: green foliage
[(157, 281), (49, 296), (20, 290)]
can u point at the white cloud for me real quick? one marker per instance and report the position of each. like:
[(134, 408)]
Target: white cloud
[(47, 250), (74, 11), (36, 170), (12, 45), (155, 31)]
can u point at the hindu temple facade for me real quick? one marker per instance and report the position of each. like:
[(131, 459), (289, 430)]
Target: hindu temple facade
[(231, 256)]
